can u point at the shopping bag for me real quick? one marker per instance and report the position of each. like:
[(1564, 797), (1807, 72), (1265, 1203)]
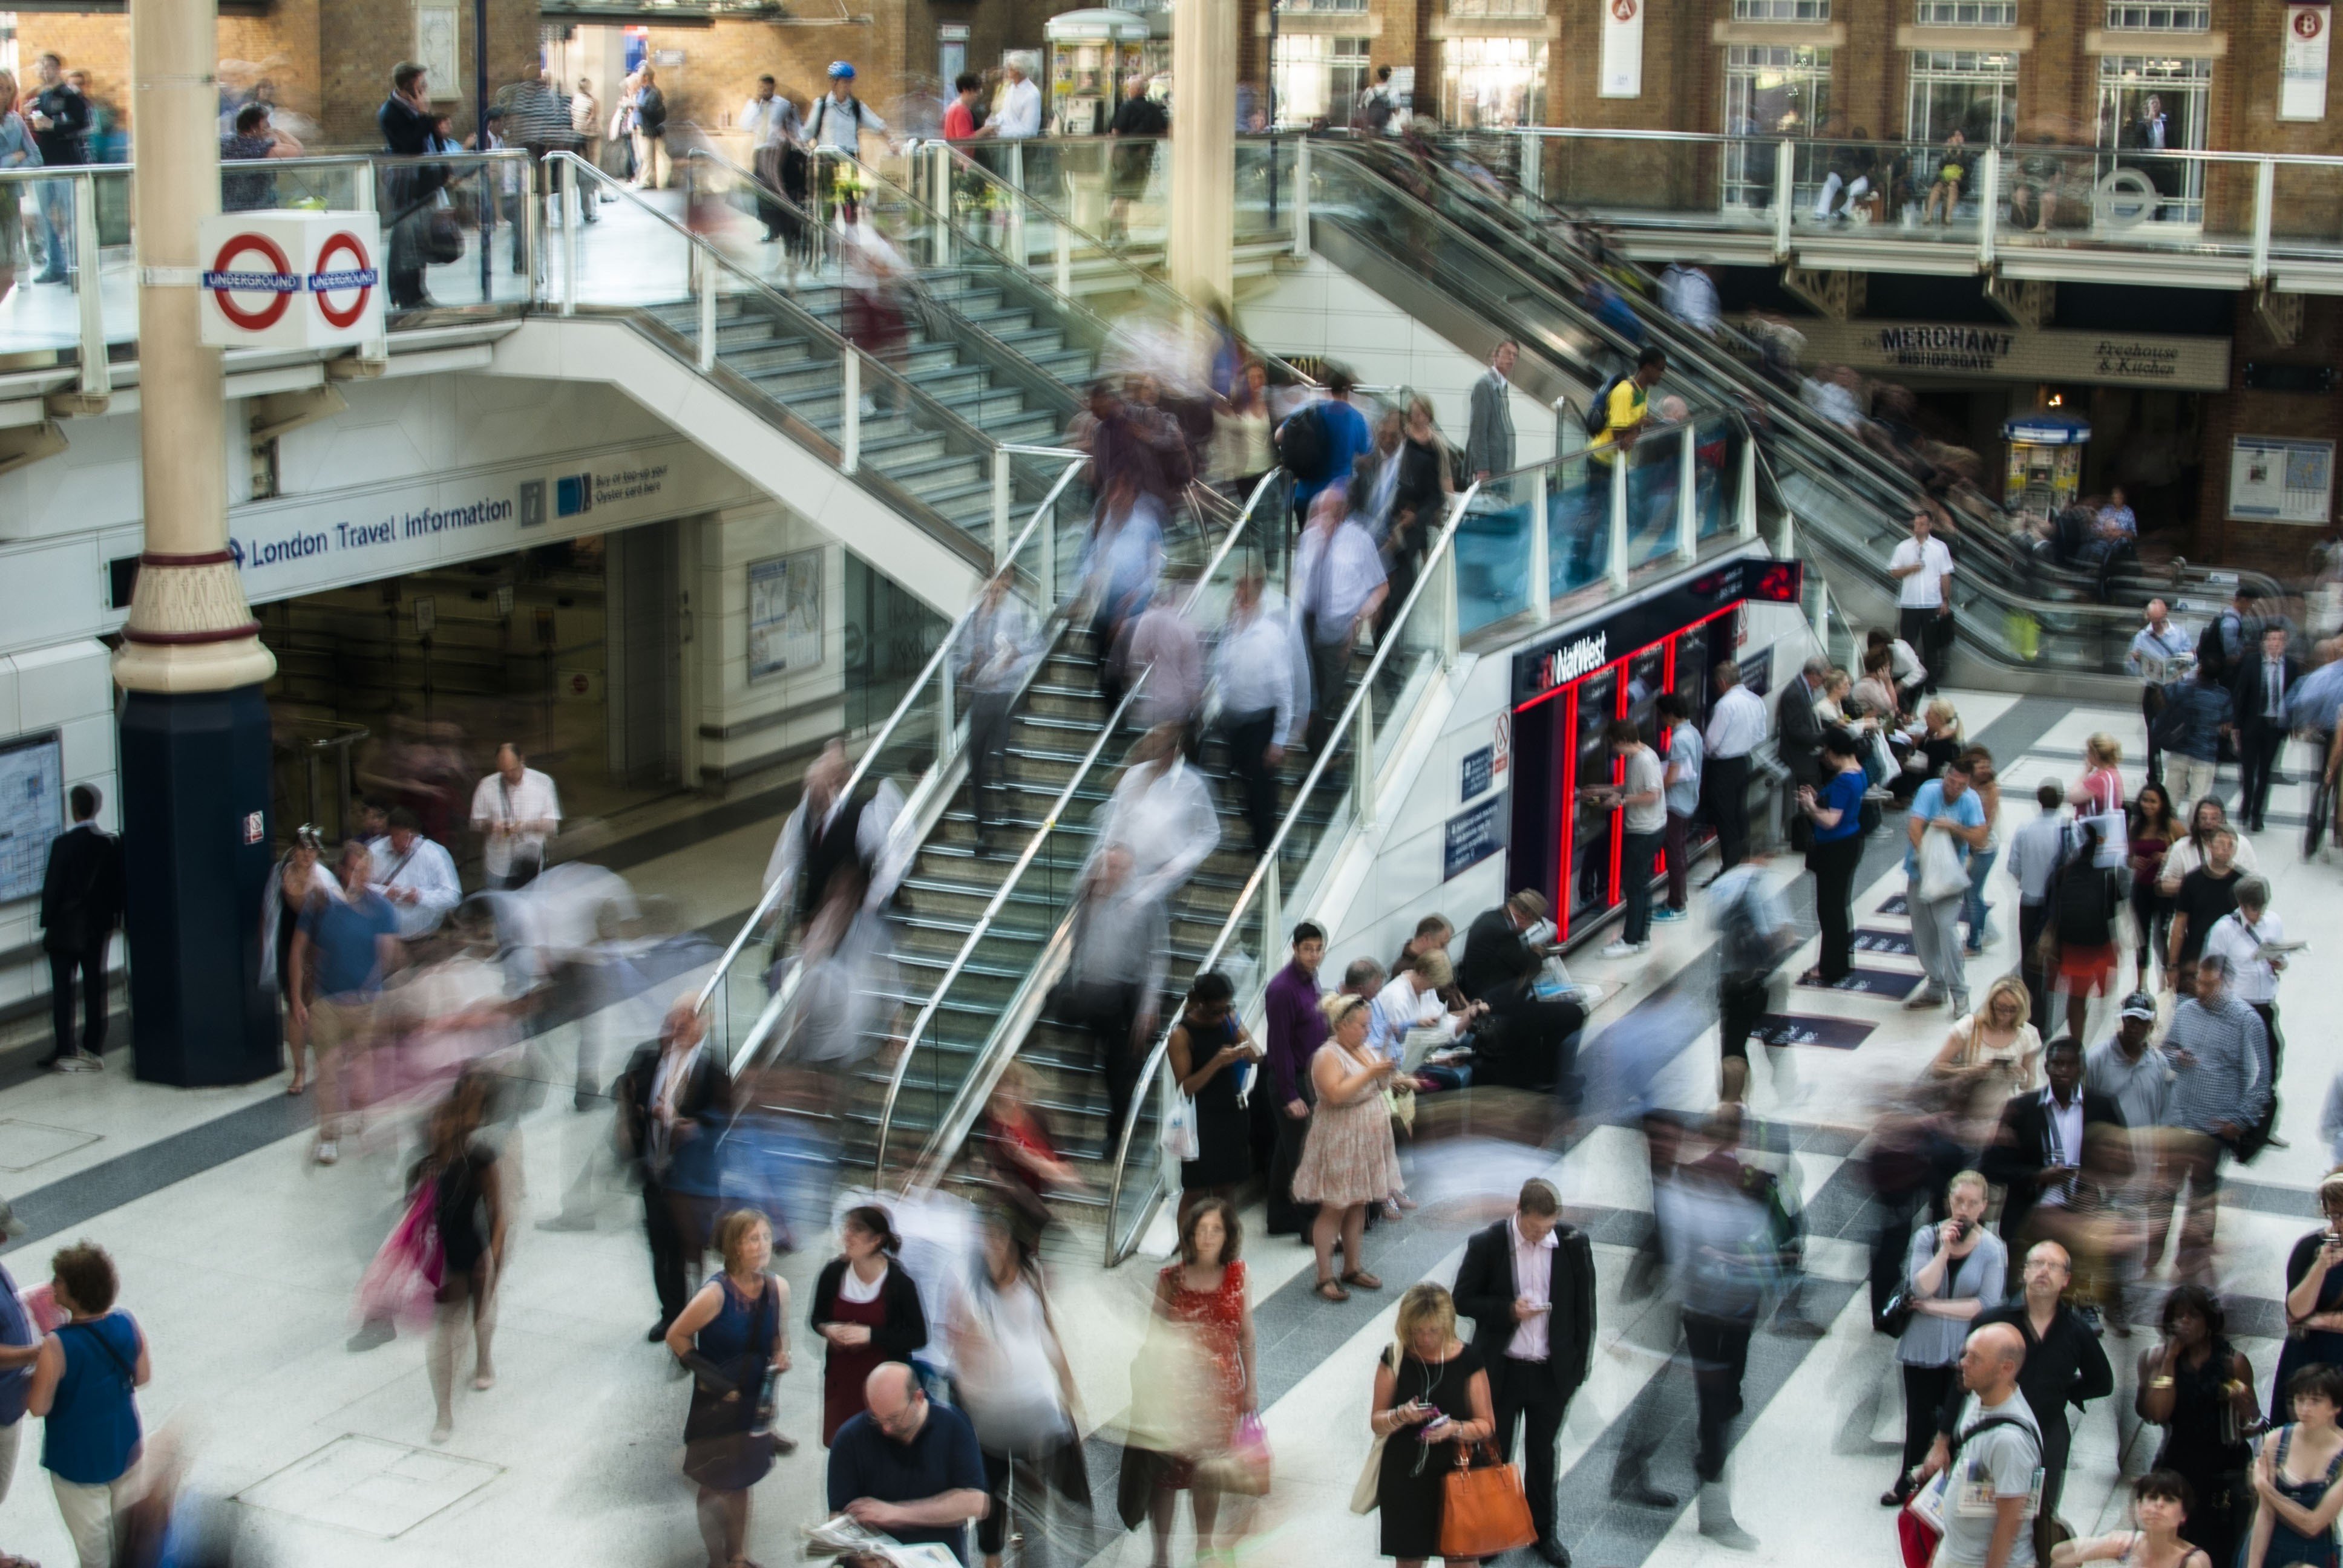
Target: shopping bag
[(401, 1284), (1180, 1142), (1942, 875), (1483, 1509), (1244, 1468)]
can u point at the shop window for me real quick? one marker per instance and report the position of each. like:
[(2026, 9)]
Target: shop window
[(1318, 77), (1485, 83), (1972, 91), (1770, 91), (1781, 10), (2150, 104)]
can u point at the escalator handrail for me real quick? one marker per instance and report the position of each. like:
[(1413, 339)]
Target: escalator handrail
[(1050, 821), (1119, 1248), (768, 899)]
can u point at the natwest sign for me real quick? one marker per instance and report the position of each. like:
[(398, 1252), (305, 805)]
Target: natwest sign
[(291, 280)]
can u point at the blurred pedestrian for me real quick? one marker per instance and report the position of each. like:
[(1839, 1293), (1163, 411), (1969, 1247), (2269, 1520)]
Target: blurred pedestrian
[(1319, 442), (2201, 1389), (1162, 812), (1528, 1284), (1018, 1148), (1339, 585), (1684, 751), (418, 876), (829, 831), (1142, 119), (1114, 979), (673, 1100), (2258, 696), (2207, 896), (1432, 1407), (1209, 1051), (2036, 851), (515, 810), (1986, 779), (82, 902), (1013, 1379), (1754, 933), (2313, 1293), (869, 1311), (998, 648), (1161, 643), (2152, 829), (1641, 799), (1294, 1028), (468, 1211), (1947, 807), (648, 126), (733, 1337), (2158, 649), (1953, 1272), (1736, 724), (2190, 723), (1123, 558), (1204, 1290), (1349, 1160), (2036, 1152), (84, 1387), (1992, 1053), (2085, 898), (1242, 449), (2207, 818), (1260, 709), (343, 950)]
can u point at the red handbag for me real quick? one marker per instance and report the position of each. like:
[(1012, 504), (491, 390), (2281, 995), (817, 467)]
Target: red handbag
[(1484, 1511)]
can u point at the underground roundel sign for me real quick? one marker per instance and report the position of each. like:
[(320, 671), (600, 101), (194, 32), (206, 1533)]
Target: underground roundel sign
[(291, 278)]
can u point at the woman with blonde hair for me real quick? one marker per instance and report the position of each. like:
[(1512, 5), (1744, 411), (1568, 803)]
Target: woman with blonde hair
[(1996, 1051), (732, 1337), (1431, 1405), (18, 150), (2100, 789), (1349, 1158), (1952, 1273)]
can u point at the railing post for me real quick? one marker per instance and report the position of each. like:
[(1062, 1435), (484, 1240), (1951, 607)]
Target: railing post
[(1687, 496), (1063, 247), (1562, 417), (947, 722), (938, 162), (1049, 599), (1822, 618), (97, 374), (572, 219), (1786, 195), (531, 236), (1017, 251), (1273, 915), (1541, 553), (1785, 539), (1744, 503), (1301, 197), (706, 285), (1532, 163), (1618, 551), (1450, 627), (2264, 196), (1000, 508), (1362, 756), (850, 409), (1988, 205)]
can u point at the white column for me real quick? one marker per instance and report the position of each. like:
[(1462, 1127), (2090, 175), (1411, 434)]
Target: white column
[(1201, 256)]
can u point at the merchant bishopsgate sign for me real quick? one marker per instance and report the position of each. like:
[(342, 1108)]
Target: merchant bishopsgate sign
[(1954, 348)]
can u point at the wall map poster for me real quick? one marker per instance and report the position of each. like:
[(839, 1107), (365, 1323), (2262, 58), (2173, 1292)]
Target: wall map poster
[(784, 614)]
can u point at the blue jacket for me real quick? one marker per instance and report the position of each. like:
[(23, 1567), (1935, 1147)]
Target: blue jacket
[(2208, 708)]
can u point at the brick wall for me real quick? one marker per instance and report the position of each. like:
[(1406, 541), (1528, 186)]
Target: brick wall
[(2267, 546)]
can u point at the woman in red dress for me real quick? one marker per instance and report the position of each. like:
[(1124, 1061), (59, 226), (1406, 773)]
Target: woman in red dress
[(1205, 1289), (868, 1310)]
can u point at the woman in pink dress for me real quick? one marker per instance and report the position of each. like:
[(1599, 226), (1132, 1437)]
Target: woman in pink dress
[(1204, 1290), (1349, 1160)]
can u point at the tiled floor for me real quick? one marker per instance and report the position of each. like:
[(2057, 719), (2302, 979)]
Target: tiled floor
[(242, 1265)]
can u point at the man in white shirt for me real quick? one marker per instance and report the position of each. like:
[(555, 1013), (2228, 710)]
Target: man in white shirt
[(1735, 726), (515, 810), (1642, 798), (1412, 1000), (1021, 103), (1339, 584), (830, 833), (1161, 811), (2157, 656), (418, 876), (839, 118), (2241, 937), (1923, 567), (998, 649), (772, 120), (1254, 668)]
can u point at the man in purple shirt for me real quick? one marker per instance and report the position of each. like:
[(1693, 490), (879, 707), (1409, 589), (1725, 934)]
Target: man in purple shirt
[(1296, 1028)]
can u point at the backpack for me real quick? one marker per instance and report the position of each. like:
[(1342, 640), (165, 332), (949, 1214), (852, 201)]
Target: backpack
[(2082, 906), (1597, 417), (2170, 727), (1377, 111), (822, 107), (1304, 447)]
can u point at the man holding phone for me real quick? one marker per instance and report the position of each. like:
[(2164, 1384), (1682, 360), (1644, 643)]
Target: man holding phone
[(1528, 1284)]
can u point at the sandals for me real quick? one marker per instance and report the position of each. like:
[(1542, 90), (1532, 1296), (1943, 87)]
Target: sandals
[(1332, 1290), (1364, 1280)]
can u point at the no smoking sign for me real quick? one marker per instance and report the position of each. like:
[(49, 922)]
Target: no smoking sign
[(291, 280)]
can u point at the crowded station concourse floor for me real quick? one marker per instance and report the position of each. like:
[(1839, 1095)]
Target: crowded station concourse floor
[(240, 1259)]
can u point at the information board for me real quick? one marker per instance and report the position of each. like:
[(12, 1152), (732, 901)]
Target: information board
[(1472, 836), (32, 810), (2279, 479), (1476, 773), (784, 614)]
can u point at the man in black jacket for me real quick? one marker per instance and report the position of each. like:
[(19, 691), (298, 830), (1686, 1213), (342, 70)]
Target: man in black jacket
[(2038, 1151), (405, 121), (2257, 701), (1527, 1040), (60, 118), (2065, 1364), (1528, 1285), (81, 903), (673, 1098), (1798, 737)]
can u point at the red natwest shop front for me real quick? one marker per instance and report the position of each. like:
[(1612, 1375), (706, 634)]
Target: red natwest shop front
[(1568, 687)]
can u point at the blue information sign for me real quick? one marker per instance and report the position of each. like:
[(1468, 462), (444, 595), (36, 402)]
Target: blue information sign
[(1477, 771), (1471, 837)]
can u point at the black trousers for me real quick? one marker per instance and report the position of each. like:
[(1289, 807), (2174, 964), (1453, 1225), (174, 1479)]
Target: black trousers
[(1523, 1393), (1720, 1360), (1285, 1216), (1247, 737), (2267, 1012), (1741, 1000), (1923, 1395), (1833, 862), (2151, 702), (1726, 784), (91, 967), (988, 743), (1108, 1014), (2259, 745), (2032, 920), (677, 1226), (1930, 635)]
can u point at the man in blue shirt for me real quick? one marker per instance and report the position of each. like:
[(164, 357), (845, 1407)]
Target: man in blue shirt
[(908, 1468), (1346, 440), (1947, 804), (20, 1347), (345, 946)]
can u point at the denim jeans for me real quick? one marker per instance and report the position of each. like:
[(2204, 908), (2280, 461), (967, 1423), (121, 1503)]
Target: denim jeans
[(1972, 906)]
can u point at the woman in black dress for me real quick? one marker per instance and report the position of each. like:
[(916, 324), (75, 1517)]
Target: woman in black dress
[(2314, 1296), (733, 1337), (2201, 1391), (1432, 1396), (469, 1209), (1208, 1048)]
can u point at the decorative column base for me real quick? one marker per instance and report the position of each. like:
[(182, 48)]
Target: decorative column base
[(195, 793)]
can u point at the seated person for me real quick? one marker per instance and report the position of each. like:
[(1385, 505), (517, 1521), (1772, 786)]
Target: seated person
[(1950, 177), (906, 1468)]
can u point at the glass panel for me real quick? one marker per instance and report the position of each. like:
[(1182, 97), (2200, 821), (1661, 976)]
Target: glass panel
[(1577, 521), (1492, 554), (1654, 486), (2307, 208), (1486, 83), (1716, 475), (2150, 104), (1770, 91), (38, 317), (1592, 849)]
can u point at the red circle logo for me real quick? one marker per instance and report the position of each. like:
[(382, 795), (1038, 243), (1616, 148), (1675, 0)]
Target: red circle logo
[(342, 243), (1624, 10), (2306, 24), (270, 313)]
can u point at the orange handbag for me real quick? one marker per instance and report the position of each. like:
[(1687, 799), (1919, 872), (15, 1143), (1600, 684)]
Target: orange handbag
[(1484, 1510)]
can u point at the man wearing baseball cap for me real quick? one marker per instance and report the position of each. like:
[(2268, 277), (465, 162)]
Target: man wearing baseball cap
[(2129, 1070)]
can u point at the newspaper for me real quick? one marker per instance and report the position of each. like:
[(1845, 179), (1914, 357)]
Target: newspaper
[(839, 1536)]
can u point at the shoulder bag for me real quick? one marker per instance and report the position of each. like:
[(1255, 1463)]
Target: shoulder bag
[(1920, 1526), (1368, 1492), (1484, 1511)]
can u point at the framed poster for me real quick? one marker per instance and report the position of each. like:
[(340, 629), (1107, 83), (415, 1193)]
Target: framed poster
[(784, 614), (32, 810), (2281, 480), (435, 51)]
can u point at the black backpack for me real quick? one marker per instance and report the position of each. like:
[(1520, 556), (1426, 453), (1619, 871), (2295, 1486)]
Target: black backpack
[(1597, 417), (1303, 450), (2171, 724), (2083, 905)]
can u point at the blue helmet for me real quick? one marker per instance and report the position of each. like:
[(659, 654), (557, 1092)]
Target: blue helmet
[(841, 70)]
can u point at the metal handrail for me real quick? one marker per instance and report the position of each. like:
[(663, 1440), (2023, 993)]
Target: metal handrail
[(38, 172), (1119, 1248), (1049, 823), (768, 899), (2069, 149)]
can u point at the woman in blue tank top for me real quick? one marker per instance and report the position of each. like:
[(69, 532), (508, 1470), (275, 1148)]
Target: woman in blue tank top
[(2298, 1477), (85, 1386)]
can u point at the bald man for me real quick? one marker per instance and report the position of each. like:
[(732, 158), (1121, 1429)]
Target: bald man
[(1990, 1507), (908, 1468), (673, 1100), (2065, 1364)]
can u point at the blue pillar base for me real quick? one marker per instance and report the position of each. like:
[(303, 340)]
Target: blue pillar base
[(196, 845)]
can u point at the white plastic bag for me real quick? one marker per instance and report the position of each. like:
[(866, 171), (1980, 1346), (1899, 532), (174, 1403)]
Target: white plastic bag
[(1179, 1137), (1942, 874)]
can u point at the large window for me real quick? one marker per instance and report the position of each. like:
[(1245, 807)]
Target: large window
[(1770, 91), (2160, 15), (2150, 105), (1318, 77), (1972, 91), (1483, 9), (1968, 13), (1486, 83), (1781, 10)]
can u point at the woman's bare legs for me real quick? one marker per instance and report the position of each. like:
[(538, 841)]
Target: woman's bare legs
[(1162, 1512), (723, 1526)]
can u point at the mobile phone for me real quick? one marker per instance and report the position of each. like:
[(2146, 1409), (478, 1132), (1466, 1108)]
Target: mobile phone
[(1960, 1230)]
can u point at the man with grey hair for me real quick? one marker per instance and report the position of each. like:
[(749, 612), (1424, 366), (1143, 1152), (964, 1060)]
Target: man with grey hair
[(2247, 937), (2219, 1052), (1798, 734)]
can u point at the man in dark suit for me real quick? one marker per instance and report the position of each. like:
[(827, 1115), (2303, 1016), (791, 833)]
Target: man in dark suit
[(2038, 1151), (1528, 1284), (2257, 699), (673, 1098), (81, 903), (1798, 734)]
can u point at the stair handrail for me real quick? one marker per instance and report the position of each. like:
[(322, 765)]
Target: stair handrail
[(770, 898), (1118, 1248), (1050, 821)]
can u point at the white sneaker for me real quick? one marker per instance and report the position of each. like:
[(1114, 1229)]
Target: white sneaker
[(327, 1153), (1622, 949)]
